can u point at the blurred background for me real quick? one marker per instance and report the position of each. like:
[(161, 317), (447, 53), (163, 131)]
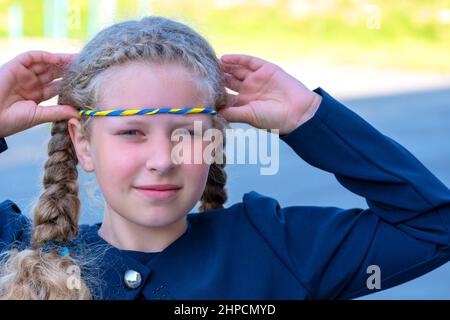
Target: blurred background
[(389, 61)]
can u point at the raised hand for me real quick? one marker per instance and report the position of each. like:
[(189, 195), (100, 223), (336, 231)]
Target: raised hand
[(26, 81), (268, 97)]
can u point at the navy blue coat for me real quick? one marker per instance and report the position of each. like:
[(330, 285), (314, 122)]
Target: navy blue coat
[(255, 249)]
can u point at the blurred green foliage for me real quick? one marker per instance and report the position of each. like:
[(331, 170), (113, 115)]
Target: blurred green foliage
[(402, 33)]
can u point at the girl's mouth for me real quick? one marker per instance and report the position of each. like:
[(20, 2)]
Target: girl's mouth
[(159, 192)]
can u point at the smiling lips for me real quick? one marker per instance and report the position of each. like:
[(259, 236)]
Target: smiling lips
[(159, 191), (159, 187)]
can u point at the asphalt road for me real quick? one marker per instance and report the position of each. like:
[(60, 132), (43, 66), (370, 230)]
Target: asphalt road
[(418, 120)]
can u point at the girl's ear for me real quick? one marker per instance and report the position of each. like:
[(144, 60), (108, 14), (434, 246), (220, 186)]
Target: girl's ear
[(81, 144)]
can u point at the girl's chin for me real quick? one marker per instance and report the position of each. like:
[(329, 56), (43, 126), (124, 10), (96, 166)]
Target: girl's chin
[(159, 219)]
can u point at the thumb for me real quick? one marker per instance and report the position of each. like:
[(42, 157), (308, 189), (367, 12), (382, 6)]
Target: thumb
[(236, 114), (55, 113)]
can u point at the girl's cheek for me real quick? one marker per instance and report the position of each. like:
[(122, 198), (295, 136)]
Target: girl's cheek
[(120, 159), (197, 174)]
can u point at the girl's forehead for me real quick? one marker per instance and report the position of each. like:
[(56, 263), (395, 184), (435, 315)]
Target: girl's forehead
[(152, 85), (166, 119)]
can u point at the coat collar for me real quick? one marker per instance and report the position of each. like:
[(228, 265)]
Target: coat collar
[(114, 263)]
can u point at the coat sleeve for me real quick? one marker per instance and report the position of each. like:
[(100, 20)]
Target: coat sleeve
[(3, 145), (332, 251), (14, 226)]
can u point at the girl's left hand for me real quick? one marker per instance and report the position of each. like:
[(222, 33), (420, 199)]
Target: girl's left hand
[(268, 97)]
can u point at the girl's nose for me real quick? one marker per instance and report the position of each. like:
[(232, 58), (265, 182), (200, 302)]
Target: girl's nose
[(159, 156)]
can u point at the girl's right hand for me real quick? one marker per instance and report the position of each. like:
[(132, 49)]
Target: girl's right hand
[(26, 81)]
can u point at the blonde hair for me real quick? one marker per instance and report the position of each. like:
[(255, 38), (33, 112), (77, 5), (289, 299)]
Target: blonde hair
[(36, 273)]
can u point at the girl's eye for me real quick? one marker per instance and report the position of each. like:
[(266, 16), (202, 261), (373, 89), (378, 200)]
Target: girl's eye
[(128, 132), (133, 132)]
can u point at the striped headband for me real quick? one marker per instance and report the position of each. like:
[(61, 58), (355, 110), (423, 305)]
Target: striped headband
[(125, 112)]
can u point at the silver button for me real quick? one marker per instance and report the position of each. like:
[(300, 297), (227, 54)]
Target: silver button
[(132, 279)]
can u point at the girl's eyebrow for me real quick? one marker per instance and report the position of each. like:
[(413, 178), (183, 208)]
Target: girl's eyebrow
[(144, 122)]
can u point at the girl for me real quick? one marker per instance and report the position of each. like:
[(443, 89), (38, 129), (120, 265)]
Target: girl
[(148, 246)]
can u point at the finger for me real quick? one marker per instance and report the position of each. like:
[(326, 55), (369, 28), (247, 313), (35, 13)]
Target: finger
[(39, 68), (238, 71), (236, 114), (51, 90), (25, 78), (232, 100), (253, 63), (31, 57), (56, 58), (55, 113), (50, 75), (65, 58), (42, 67), (42, 72), (232, 83)]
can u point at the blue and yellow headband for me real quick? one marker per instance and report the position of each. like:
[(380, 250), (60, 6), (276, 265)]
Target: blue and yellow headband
[(150, 111)]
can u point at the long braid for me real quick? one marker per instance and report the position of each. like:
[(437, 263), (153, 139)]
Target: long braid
[(57, 212), (215, 194)]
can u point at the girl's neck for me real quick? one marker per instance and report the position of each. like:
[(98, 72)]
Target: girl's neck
[(126, 235)]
